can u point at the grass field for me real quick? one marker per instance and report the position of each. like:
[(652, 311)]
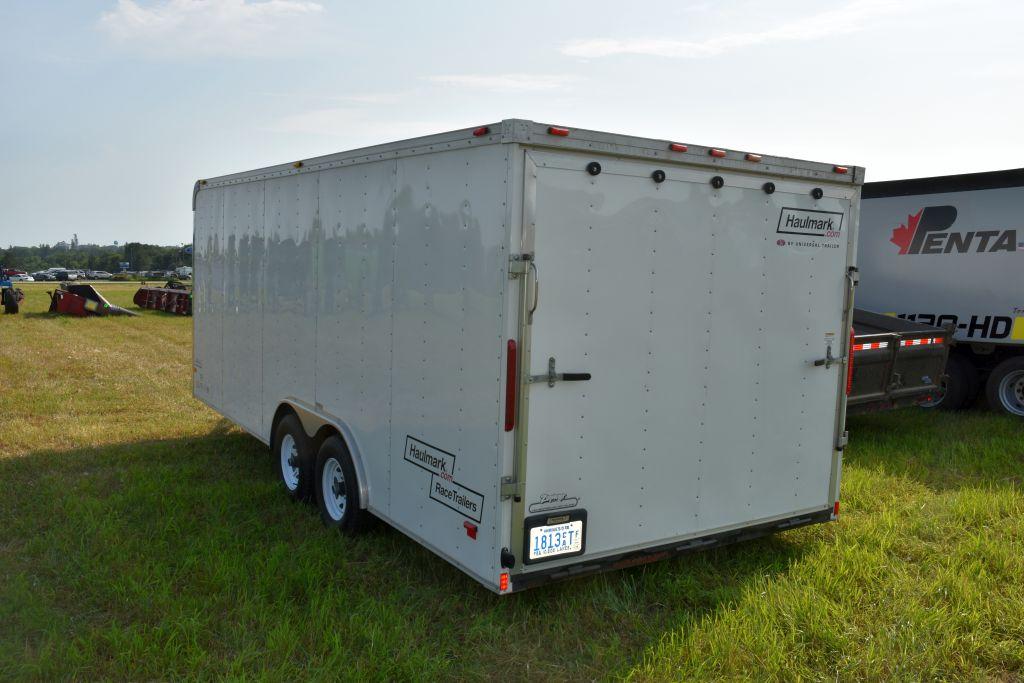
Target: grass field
[(143, 537)]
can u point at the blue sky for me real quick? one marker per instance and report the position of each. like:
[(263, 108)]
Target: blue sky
[(111, 109)]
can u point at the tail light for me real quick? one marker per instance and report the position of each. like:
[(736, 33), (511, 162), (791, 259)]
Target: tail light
[(835, 509), (511, 385), (503, 582), (849, 365)]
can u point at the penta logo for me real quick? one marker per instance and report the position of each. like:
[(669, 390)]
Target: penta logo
[(925, 232)]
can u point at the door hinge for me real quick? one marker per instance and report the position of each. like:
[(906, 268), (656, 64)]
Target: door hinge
[(843, 439), (510, 488), (518, 264)]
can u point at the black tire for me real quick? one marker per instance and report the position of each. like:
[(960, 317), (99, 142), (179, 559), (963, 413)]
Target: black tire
[(291, 456), (1004, 389), (960, 385), (336, 488)]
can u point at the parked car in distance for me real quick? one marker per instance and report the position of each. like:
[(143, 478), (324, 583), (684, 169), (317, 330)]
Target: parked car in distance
[(21, 278), (66, 275), (43, 276), (98, 275)]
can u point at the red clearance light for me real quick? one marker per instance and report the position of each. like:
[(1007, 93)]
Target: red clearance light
[(753, 157), (511, 380), (503, 582), (840, 169), (678, 147), (554, 130), (470, 529), (835, 509), (482, 130), (849, 365), (717, 153)]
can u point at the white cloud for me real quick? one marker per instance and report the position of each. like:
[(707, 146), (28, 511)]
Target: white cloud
[(505, 82), (189, 28), (846, 19)]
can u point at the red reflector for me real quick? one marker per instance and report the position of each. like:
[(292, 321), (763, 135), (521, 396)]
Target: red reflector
[(511, 382), (753, 157), (835, 509), (719, 153), (677, 147), (849, 365), (553, 130), (470, 529), (482, 130), (939, 340), (503, 582), (840, 169)]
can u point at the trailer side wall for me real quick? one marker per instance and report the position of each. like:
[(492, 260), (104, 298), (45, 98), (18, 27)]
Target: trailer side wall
[(374, 292)]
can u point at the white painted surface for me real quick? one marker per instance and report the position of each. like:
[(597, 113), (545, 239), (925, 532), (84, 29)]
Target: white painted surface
[(704, 411)]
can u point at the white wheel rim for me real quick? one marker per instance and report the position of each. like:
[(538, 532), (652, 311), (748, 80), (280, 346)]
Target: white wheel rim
[(1011, 392), (335, 495), (289, 462)]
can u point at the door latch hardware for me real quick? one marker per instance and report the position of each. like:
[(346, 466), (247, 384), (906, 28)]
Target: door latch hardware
[(829, 360), (553, 376)]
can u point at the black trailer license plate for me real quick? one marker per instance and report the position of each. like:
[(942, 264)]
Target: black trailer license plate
[(551, 536)]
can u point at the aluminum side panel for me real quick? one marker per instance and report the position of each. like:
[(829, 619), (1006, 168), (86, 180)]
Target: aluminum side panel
[(700, 330), (289, 320), (208, 297), (450, 273), (244, 252), (980, 292), (354, 342)]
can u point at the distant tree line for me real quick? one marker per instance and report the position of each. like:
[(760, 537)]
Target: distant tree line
[(94, 257)]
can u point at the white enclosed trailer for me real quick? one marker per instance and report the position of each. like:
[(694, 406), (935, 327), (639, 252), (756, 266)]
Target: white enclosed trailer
[(676, 381)]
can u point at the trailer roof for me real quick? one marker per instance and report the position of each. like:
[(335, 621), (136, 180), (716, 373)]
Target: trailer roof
[(963, 182), (534, 134)]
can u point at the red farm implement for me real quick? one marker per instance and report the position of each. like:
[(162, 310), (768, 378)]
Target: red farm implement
[(82, 301), (172, 297)]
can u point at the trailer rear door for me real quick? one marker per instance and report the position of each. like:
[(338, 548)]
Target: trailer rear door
[(698, 313)]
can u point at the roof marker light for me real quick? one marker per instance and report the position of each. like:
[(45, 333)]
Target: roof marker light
[(678, 147), (555, 130), (717, 153), (482, 130), (840, 169), (752, 157)]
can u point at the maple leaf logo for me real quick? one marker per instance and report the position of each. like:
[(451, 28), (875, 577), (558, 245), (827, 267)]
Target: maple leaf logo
[(903, 235)]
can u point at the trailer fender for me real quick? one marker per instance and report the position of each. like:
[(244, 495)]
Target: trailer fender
[(315, 421)]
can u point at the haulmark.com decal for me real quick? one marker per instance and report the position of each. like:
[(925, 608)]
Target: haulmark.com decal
[(442, 487)]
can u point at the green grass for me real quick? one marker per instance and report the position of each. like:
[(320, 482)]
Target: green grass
[(142, 537)]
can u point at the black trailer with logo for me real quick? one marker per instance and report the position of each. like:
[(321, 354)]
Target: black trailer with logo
[(948, 251)]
